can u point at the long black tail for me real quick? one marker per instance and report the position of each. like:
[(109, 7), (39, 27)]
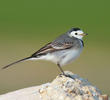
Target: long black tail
[(16, 62)]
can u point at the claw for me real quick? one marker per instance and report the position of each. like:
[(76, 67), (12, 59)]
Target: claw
[(66, 75)]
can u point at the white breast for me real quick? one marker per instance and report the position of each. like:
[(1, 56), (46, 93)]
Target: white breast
[(70, 56)]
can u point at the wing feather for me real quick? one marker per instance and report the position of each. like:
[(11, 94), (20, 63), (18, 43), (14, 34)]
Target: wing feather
[(49, 48), (61, 43)]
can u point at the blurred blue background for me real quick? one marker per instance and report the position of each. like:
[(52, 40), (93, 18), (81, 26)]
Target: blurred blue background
[(27, 25)]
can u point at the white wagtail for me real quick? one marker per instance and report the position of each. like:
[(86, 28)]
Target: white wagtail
[(61, 51)]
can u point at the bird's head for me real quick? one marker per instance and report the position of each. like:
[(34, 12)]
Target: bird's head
[(77, 33)]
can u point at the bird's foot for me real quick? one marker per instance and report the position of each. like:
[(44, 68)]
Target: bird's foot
[(66, 75)]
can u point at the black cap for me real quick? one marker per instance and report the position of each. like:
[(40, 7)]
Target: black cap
[(74, 29)]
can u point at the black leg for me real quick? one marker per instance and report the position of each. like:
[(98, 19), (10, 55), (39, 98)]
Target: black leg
[(61, 69)]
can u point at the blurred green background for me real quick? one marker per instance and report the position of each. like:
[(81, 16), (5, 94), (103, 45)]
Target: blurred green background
[(27, 25)]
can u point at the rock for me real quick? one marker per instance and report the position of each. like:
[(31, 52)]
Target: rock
[(62, 88)]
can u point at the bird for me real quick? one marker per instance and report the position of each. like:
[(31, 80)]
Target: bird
[(61, 51)]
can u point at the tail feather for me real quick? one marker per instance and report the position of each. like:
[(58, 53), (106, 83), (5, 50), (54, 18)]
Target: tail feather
[(16, 62)]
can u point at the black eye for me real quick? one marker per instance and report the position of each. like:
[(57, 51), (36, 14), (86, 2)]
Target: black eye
[(76, 33)]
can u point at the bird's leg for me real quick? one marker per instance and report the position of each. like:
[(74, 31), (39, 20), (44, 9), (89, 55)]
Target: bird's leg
[(61, 69)]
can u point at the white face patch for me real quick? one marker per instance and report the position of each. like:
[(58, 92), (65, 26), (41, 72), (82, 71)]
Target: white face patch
[(76, 34)]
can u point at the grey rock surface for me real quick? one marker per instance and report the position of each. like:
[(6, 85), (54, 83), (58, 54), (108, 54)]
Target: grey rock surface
[(61, 88)]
